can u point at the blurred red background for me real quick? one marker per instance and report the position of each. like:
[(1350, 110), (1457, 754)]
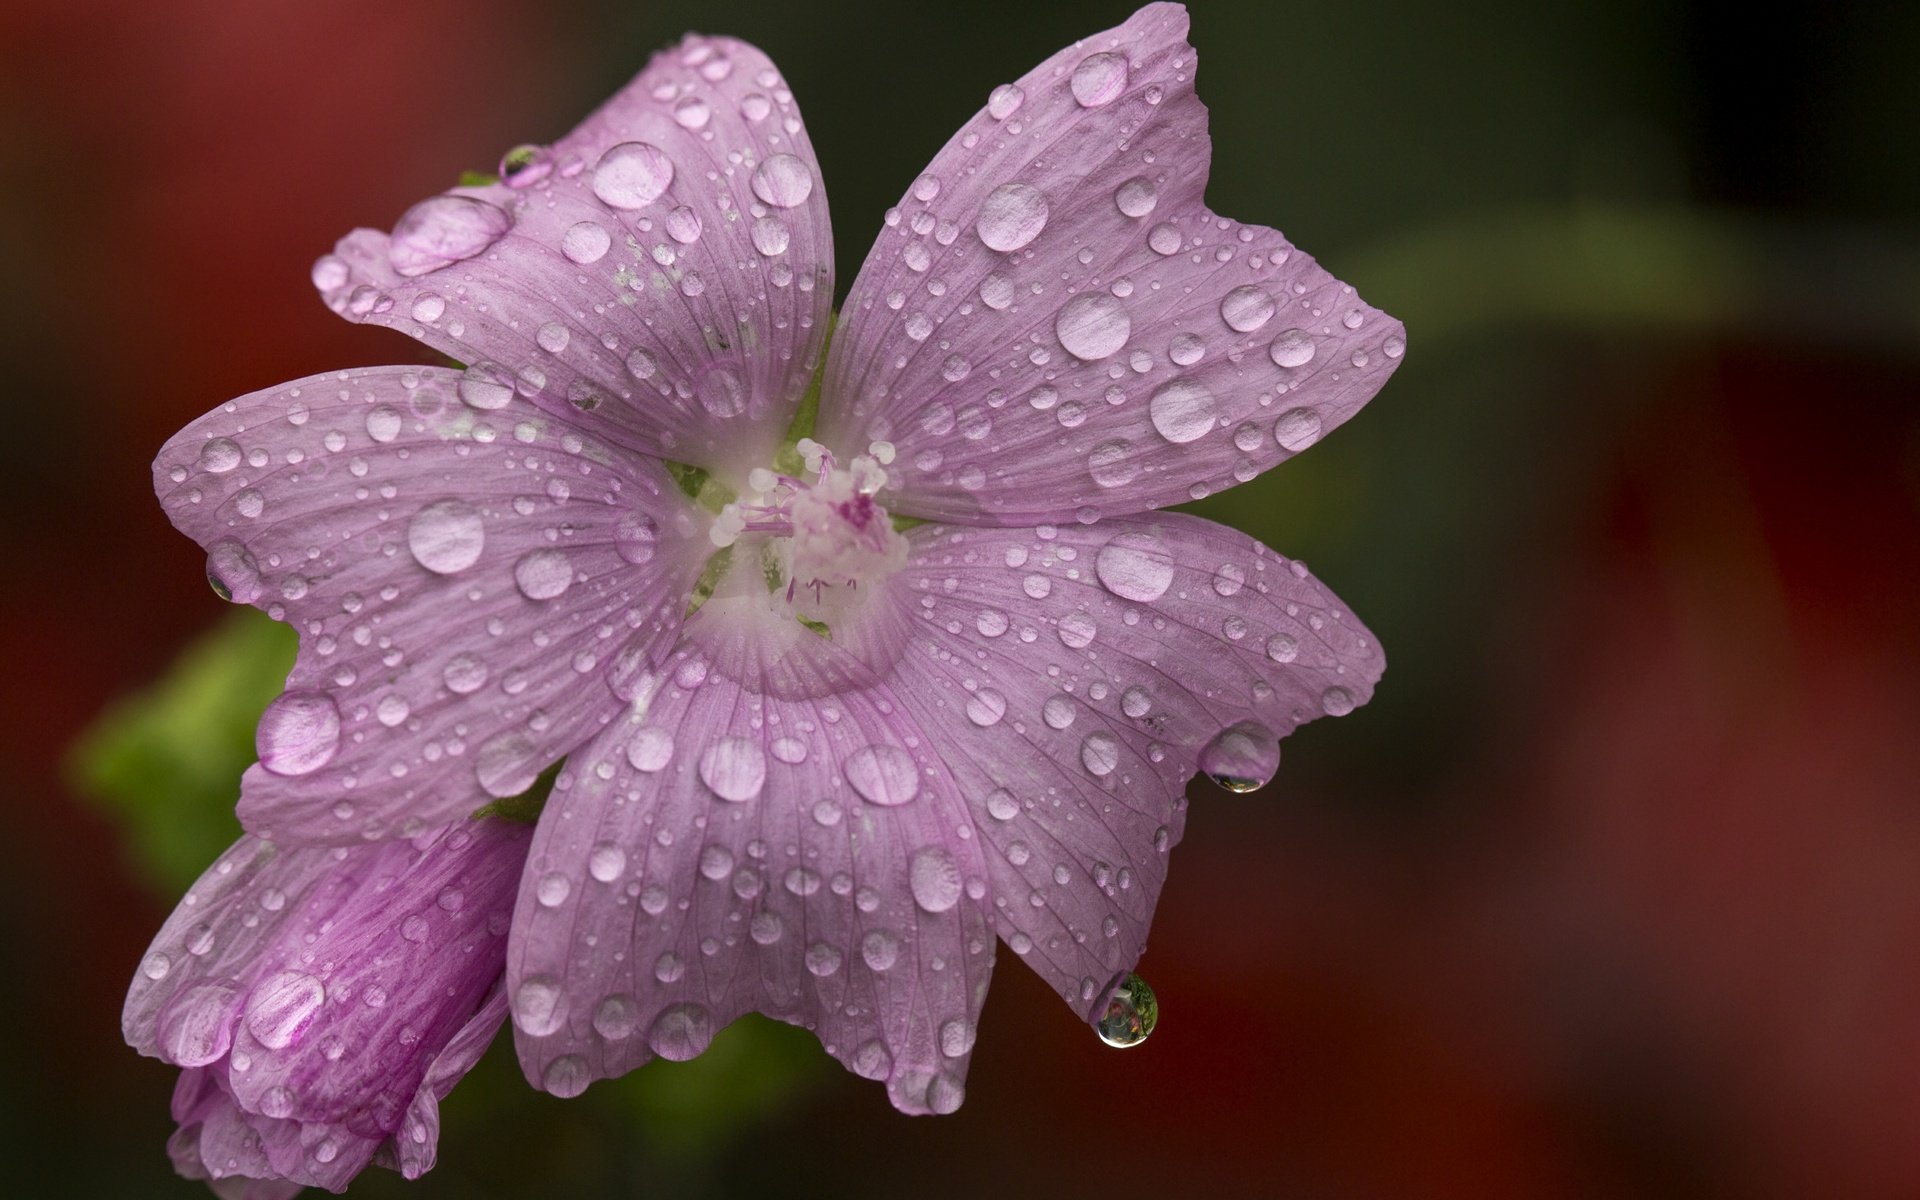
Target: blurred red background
[(1614, 890)]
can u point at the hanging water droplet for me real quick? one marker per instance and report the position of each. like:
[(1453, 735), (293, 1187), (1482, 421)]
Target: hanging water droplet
[(681, 1032), (443, 230), (1130, 1013), (1242, 757), (632, 175), (1011, 216)]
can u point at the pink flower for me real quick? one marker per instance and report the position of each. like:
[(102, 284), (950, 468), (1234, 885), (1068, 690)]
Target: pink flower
[(322, 1002), (818, 758)]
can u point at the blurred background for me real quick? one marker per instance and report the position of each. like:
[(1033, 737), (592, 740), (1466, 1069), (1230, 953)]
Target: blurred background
[(1614, 890)]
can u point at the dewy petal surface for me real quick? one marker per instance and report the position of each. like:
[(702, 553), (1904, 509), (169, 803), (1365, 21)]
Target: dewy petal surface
[(467, 574), (661, 276), (1052, 326), (768, 833), (1074, 679), (323, 1000)]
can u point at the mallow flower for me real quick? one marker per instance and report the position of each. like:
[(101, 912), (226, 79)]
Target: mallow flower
[(321, 1001), (851, 680)]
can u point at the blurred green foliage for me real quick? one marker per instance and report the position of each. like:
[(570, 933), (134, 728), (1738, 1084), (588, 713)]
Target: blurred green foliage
[(166, 761)]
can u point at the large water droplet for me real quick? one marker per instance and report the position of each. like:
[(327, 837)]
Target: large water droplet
[(1100, 753), (1246, 308), (543, 574), (1005, 100), (770, 236), (632, 175), (1136, 197), (783, 181), (196, 1028), (1242, 757), (505, 765), (1113, 463), (616, 1017), (299, 732), (232, 572), (443, 230), (1135, 566), (636, 535), (1297, 429), (934, 879), (219, 455), (1012, 215), (539, 1006), (1181, 410), (1130, 1013), (985, 707), (883, 774), (280, 1007), (1092, 326), (585, 242), (734, 768), (446, 536), (1099, 79), (681, 1032), (1293, 348)]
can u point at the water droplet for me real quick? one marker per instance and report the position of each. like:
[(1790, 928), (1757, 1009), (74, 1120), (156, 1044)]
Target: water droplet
[(1297, 429), (607, 861), (1058, 712), (1135, 566), (543, 574), (632, 175), (650, 749), (1099, 79), (505, 765), (1136, 197), (956, 1037), (996, 292), (524, 166), (1242, 757), (196, 1027), (1011, 216), (1136, 702), (783, 181), (539, 1006), (883, 774), (484, 388), (464, 674), (553, 889), (1246, 308), (1001, 805), (383, 423), (219, 456), (1164, 239), (443, 230), (299, 733), (1113, 463), (566, 1076), (692, 113), (1100, 753), (1130, 1013), (985, 707), (616, 1017), (1229, 578), (734, 768), (585, 242), (635, 536), (446, 537), (872, 1061), (428, 308), (822, 960), (1004, 101), (552, 337), (1293, 348), (934, 879), (280, 1007), (681, 1032), (1337, 701), (1092, 326), (683, 225), (232, 572), (770, 236), (1181, 410)]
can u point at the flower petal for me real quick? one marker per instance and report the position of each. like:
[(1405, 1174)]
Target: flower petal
[(324, 1000), (458, 565), (1052, 326), (661, 276), (1075, 679), (768, 834)]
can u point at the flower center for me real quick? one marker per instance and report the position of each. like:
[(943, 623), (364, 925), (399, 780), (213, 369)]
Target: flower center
[(823, 545)]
